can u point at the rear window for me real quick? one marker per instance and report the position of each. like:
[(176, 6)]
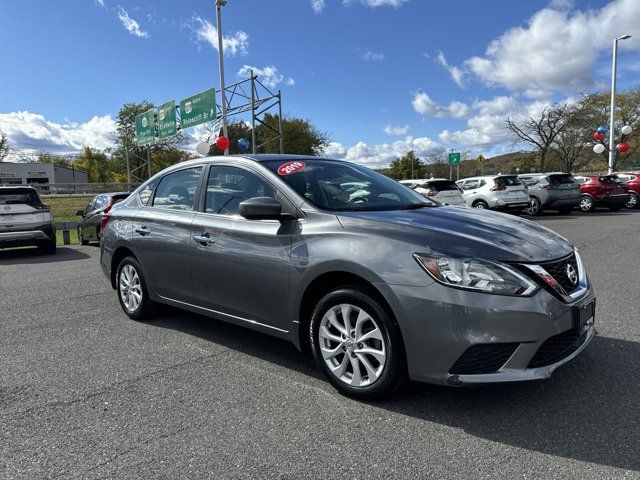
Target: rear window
[(441, 186), (10, 196), (559, 179), (509, 181), (610, 180), (530, 180)]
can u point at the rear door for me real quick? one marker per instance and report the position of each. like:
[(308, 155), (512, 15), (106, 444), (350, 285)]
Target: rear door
[(21, 209), (162, 233), (241, 267)]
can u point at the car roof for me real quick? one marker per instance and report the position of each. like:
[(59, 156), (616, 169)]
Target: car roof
[(267, 157)]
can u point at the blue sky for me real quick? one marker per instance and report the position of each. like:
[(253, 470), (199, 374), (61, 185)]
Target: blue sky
[(379, 76)]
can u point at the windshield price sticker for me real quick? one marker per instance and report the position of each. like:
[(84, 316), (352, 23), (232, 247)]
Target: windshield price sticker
[(290, 167)]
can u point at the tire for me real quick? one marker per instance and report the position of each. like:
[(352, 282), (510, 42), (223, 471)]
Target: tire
[(535, 208), (81, 238), (565, 210), (130, 273), (587, 204), (49, 247), (378, 375), (634, 201), (481, 204)]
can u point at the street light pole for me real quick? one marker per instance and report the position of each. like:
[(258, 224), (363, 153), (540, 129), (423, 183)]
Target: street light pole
[(612, 117), (219, 5)]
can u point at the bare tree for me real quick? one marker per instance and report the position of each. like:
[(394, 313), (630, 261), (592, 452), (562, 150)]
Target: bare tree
[(4, 147), (572, 142), (541, 131)]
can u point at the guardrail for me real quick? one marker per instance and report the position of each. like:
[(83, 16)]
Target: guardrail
[(81, 188)]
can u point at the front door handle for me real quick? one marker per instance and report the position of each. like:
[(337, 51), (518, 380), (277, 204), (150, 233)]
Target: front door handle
[(143, 231), (204, 239)]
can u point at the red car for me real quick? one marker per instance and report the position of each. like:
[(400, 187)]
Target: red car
[(632, 180), (602, 191)]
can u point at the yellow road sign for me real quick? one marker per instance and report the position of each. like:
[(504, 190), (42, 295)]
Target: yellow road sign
[(480, 159)]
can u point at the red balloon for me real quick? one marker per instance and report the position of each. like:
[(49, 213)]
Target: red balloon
[(222, 143), (622, 147), (598, 136)]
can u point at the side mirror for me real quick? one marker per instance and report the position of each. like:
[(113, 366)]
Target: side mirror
[(80, 213), (261, 208)]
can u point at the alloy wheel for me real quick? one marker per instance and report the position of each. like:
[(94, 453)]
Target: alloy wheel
[(534, 207), (130, 288), (586, 204), (633, 202), (352, 345)]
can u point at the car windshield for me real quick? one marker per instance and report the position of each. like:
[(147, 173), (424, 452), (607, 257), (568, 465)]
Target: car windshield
[(342, 186), (14, 196)]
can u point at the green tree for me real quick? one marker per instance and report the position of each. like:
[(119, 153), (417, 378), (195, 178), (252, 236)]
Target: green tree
[(406, 167), (300, 136), (99, 167), (236, 130)]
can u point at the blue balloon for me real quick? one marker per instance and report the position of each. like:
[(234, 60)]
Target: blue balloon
[(243, 144), (602, 130)]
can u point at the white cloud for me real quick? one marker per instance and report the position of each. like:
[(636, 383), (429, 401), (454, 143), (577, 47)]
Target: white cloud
[(396, 131), (424, 105), (318, 5), (381, 155), (235, 44), (376, 3), (456, 73), (370, 56), (130, 24), (100, 3), (269, 76), (31, 131), (557, 49)]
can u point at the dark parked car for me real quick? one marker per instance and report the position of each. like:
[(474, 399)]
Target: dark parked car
[(632, 180), (379, 286), (602, 191), (551, 191), (92, 217)]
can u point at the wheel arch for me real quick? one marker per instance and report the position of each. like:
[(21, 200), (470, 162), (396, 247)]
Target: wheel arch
[(119, 253)]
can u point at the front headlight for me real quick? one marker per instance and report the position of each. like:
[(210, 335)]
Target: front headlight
[(475, 274)]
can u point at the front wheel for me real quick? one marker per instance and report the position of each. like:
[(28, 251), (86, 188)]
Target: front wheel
[(534, 207), (357, 345), (481, 204), (132, 290), (632, 202), (586, 204)]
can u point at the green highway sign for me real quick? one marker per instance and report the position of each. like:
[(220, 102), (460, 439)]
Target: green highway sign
[(197, 109), (145, 128), (167, 120), (454, 158)]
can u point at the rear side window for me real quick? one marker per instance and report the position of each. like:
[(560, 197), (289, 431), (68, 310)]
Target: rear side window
[(11, 196), (441, 186), (146, 192), (560, 179), (510, 181), (101, 202), (610, 180), (176, 191)]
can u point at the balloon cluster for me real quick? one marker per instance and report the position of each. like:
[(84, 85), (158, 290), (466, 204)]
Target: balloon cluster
[(222, 143), (601, 133)]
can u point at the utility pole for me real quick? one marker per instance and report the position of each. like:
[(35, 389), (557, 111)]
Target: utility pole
[(612, 119), (219, 5)]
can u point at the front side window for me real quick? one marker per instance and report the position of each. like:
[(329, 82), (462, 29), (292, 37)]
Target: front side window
[(343, 186), (228, 186), (176, 191)]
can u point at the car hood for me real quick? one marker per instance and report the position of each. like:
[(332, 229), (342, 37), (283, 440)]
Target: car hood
[(464, 232)]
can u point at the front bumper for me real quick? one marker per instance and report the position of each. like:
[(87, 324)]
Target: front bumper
[(439, 324)]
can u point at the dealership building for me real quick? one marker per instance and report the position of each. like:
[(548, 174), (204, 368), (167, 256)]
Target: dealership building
[(12, 173)]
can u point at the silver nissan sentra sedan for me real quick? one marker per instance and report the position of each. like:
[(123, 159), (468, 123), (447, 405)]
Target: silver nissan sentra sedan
[(381, 284)]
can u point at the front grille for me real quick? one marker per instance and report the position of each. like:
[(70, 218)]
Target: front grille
[(483, 358), (557, 347), (558, 270)]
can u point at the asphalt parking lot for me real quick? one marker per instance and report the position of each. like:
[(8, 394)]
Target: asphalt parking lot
[(87, 393)]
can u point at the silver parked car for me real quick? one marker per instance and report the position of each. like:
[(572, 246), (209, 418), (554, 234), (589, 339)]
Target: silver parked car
[(439, 189), (497, 192), (551, 191), (380, 286), (25, 220)]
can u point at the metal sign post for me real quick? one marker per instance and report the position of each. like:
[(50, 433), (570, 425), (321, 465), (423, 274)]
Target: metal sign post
[(454, 159)]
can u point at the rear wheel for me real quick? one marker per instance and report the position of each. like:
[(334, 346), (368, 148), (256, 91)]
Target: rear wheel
[(534, 207), (132, 290), (633, 201), (81, 239), (49, 247), (357, 345), (481, 204), (586, 204)]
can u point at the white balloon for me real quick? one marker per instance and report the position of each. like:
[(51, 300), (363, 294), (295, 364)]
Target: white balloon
[(598, 148), (626, 130), (202, 148)]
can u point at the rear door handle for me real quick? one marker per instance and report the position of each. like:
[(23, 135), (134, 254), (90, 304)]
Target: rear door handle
[(143, 231), (204, 239)]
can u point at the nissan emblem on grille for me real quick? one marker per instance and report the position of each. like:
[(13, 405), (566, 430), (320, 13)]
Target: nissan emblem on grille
[(572, 275)]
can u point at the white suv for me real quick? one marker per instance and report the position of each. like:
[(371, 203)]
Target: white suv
[(498, 192), (25, 220)]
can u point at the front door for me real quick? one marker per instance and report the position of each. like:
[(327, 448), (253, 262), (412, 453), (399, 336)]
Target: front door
[(240, 267)]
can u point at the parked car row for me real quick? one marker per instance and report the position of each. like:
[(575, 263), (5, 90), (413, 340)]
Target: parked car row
[(536, 192)]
